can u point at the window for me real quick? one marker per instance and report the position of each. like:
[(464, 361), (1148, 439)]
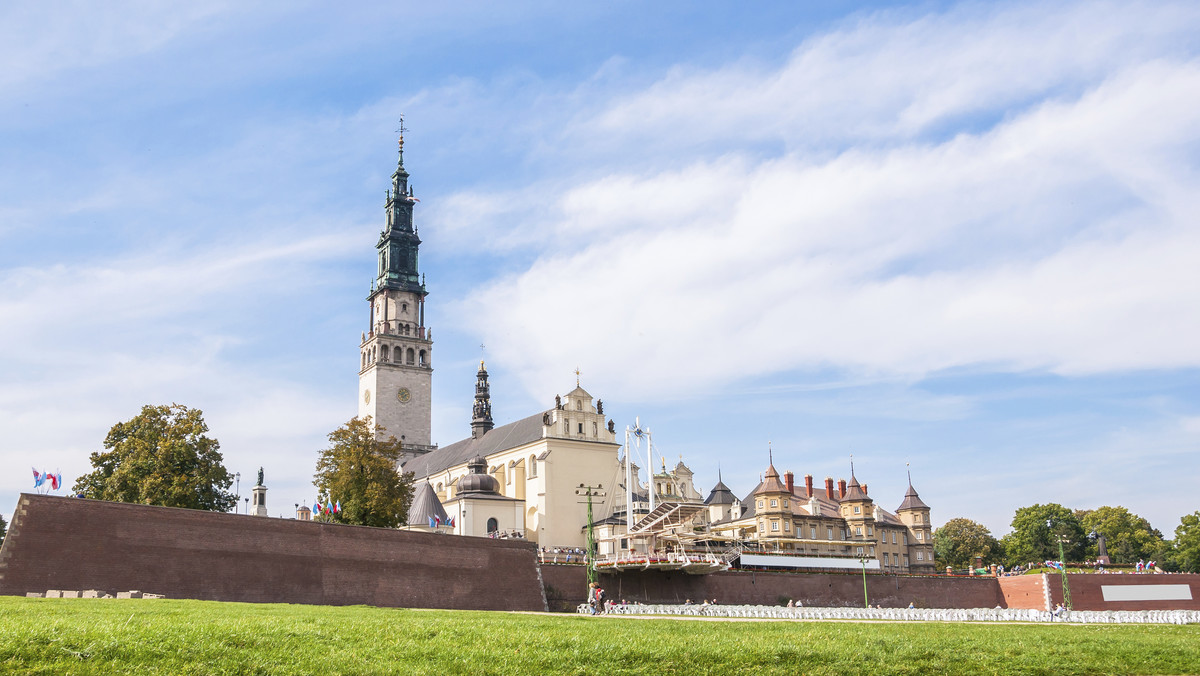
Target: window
[(532, 466), (411, 356), (920, 556), (785, 503), (760, 504), (828, 533), (493, 525), (906, 542), (919, 538), (774, 503), (581, 428), (787, 526), (775, 526), (893, 537), (860, 551), (885, 559), (872, 548), (857, 509), (870, 531), (404, 307), (906, 560), (813, 533), (858, 531)]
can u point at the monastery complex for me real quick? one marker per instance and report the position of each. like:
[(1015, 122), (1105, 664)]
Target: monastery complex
[(549, 476)]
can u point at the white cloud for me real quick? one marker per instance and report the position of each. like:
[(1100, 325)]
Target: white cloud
[(1059, 238)]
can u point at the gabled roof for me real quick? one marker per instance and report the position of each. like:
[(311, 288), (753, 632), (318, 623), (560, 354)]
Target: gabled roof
[(912, 500), (499, 439), (425, 505)]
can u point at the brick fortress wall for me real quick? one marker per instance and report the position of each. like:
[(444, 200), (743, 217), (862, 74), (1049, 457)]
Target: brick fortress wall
[(75, 544), (566, 587)]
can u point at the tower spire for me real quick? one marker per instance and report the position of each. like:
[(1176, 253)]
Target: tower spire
[(481, 419)]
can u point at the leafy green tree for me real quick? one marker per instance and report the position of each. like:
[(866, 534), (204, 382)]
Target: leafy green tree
[(1035, 535), (359, 470), (1187, 543), (3, 527), (959, 541), (1128, 537), (160, 457)]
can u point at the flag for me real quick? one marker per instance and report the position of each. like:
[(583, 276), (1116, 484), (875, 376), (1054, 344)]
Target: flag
[(337, 507), (450, 521), (328, 507), (38, 479), (55, 480), (432, 522), (317, 508)]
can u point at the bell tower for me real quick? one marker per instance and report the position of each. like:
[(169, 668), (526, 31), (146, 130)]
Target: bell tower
[(396, 353)]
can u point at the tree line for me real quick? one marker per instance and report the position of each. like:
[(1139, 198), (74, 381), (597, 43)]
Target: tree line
[(164, 456), (1038, 529)]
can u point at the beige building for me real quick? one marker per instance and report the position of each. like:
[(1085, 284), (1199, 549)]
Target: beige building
[(835, 526), (539, 461)]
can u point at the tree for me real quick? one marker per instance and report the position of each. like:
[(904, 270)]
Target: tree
[(359, 470), (1128, 537), (160, 457), (1033, 540), (3, 528), (959, 541), (1187, 543)]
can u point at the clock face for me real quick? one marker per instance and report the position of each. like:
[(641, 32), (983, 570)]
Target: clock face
[(404, 395), (366, 396)]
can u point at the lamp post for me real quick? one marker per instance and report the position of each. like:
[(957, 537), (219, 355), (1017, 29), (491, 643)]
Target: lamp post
[(247, 504), (863, 561), (592, 492), (237, 489), (1062, 563)]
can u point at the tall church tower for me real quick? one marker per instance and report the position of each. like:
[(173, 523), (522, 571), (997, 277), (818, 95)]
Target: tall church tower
[(396, 353)]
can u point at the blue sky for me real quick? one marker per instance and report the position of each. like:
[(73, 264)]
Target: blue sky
[(961, 236)]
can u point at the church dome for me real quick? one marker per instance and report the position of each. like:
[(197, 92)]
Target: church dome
[(477, 481)]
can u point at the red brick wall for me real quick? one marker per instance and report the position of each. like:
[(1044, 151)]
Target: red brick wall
[(1024, 591), (566, 587), (1086, 592), (74, 544)]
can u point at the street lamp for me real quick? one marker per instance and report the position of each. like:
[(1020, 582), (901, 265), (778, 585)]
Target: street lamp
[(863, 561), (237, 489), (1062, 564)]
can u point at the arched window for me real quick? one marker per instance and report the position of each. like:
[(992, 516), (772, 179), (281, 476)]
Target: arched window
[(411, 355), (386, 353), (493, 525), (532, 465), (404, 307), (422, 357)]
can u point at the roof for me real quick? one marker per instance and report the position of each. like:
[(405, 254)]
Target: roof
[(425, 505), (911, 500), (771, 483), (499, 439), (720, 495), (854, 492)]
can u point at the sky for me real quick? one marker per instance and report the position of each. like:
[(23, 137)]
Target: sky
[(953, 238)]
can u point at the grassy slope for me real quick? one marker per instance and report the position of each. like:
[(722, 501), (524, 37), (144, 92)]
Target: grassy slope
[(162, 636)]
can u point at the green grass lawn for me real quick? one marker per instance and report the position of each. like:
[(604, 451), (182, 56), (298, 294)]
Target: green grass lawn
[(82, 636)]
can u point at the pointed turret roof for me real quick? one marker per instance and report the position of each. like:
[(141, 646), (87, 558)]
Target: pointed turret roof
[(720, 495), (425, 505), (854, 491), (771, 482), (911, 499)]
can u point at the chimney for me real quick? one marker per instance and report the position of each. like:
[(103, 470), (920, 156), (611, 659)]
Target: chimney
[(841, 488), (808, 485), (829, 487), (864, 487), (789, 478)]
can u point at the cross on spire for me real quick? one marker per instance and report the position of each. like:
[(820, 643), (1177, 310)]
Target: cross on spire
[(577, 372)]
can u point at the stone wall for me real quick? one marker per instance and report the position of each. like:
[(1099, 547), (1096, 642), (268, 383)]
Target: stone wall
[(70, 543)]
